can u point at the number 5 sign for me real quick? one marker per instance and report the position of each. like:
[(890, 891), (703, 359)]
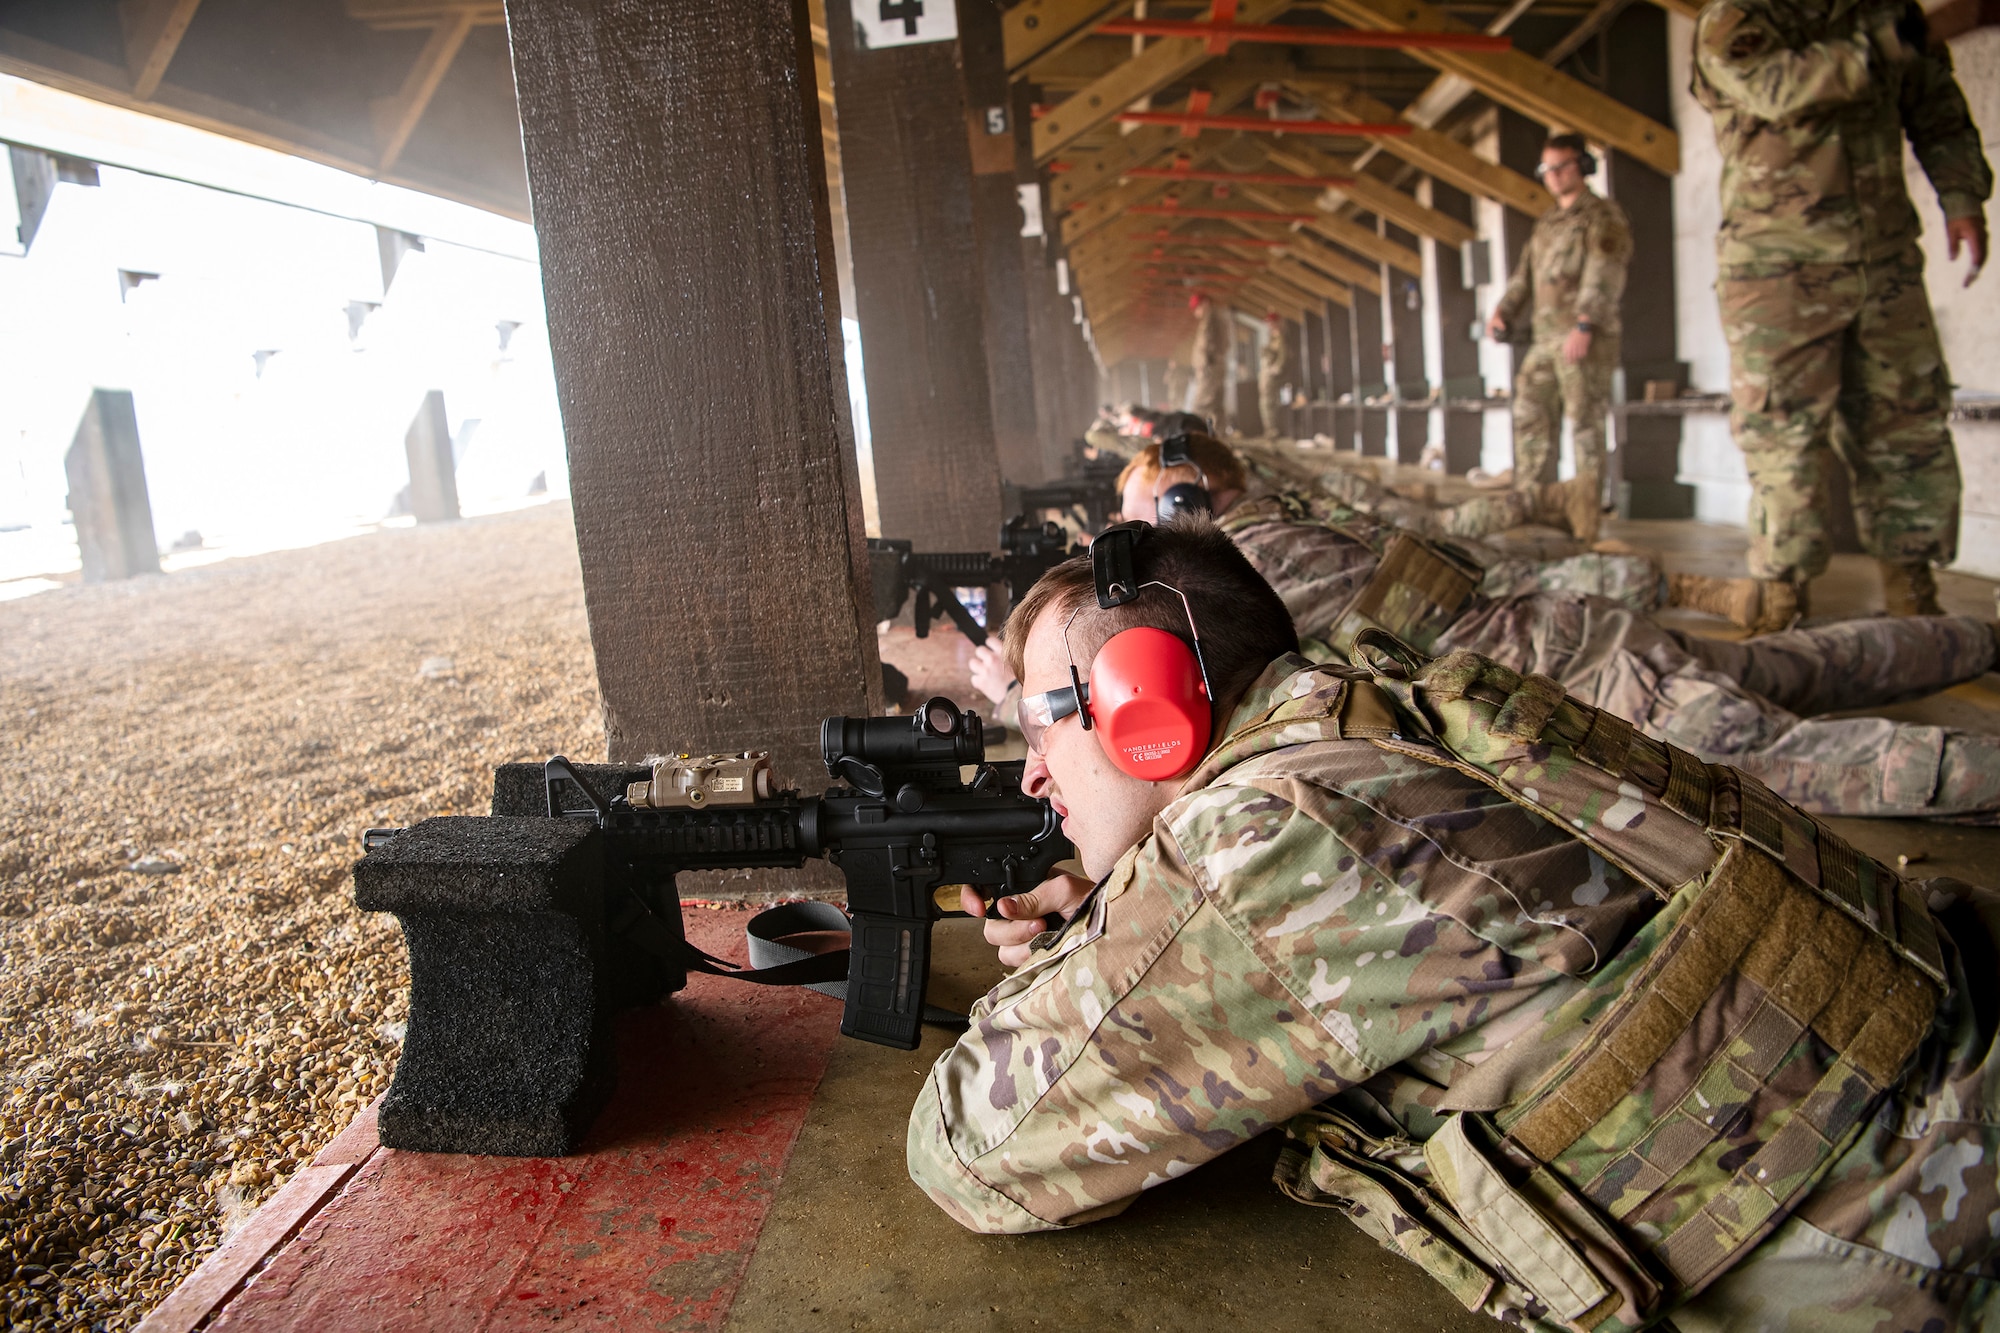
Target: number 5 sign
[(884, 23)]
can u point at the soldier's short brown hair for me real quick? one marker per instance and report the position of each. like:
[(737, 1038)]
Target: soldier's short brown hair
[(1570, 143), (1242, 621), (1217, 461)]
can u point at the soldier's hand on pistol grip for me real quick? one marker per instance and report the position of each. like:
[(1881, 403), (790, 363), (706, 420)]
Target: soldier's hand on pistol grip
[(1497, 327), (1018, 920)]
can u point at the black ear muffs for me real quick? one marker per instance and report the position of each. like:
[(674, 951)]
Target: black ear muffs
[(1585, 163), (1186, 497)]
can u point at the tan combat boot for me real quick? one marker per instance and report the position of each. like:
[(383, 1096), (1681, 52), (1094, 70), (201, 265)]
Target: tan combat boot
[(1909, 588), (1758, 605), (1568, 504)]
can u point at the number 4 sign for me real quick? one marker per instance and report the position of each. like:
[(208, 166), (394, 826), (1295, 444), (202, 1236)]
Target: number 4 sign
[(884, 23)]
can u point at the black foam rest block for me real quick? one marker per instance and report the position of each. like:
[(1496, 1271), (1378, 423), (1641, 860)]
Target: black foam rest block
[(519, 789), (508, 1048)]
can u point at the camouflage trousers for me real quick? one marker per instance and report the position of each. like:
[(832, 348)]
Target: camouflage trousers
[(1270, 411), (1754, 704), (1903, 1233), (1480, 516), (1632, 581), (1809, 344), (1547, 388), (1206, 397)]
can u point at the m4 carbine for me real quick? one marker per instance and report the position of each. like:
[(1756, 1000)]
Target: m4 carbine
[(1027, 551), (526, 932)]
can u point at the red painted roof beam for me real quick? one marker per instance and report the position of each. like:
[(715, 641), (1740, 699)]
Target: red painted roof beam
[(1192, 125), (1292, 35), (1256, 214), (1237, 177), (1206, 241)]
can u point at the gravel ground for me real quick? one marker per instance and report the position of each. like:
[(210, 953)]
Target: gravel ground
[(189, 1003)]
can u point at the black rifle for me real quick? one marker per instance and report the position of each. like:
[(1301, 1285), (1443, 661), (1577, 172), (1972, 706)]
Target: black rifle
[(1092, 486), (526, 932), (932, 578)]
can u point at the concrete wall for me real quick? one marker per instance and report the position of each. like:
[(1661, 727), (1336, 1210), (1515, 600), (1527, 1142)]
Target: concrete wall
[(1968, 320)]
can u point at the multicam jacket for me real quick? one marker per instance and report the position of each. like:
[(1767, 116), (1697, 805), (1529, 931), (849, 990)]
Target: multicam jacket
[(1211, 341), (1573, 269), (1308, 913), (1273, 357), (1812, 100), (1597, 1018)]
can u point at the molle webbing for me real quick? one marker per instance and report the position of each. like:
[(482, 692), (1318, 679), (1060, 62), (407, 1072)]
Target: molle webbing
[(1417, 591), (1718, 1083)]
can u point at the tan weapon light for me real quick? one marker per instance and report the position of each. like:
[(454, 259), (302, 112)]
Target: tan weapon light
[(686, 781)]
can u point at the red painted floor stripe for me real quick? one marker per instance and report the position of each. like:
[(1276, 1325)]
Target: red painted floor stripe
[(651, 1226)]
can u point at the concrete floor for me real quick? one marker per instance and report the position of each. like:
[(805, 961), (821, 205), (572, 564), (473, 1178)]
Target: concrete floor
[(851, 1244)]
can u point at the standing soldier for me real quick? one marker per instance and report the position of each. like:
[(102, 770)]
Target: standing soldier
[(1822, 282), (1271, 363), (1177, 386), (1574, 270), (1211, 357)]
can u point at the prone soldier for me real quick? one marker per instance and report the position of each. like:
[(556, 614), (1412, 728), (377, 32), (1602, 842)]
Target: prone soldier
[(1757, 704), (1595, 1032)]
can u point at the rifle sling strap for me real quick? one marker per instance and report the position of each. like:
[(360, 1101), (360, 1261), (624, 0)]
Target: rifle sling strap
[(773, 962)]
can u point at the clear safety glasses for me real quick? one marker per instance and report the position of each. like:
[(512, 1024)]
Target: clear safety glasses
[(1041, 711)]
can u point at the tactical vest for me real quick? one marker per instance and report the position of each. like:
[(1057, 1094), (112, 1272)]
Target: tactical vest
[(1419, 586), (1698, 1084)]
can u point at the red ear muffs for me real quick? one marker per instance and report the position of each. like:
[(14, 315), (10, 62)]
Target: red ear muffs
[(1148, 704)]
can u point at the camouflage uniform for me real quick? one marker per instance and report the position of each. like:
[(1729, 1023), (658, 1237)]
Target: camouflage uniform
[(1821, 279), (1212, 336), (1751, 704), (1573, 269), (1352, 926), (1318, 555), (1272, 361), (1480, 516), (1756, 704)]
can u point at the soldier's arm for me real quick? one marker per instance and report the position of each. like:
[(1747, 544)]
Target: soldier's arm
[(1942, 133), (1744, 60), (1520, 286), (1150, 1040), (1607, 256), (1225, 983)]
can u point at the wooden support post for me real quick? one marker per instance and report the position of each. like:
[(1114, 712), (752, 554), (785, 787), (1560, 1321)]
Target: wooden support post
[(1065, 381), (1648, 457), (993, 136), (433, 471), (1520, 143), (1403, 322), (1646, 467), (1371, 372), (919, 292), (1343, 373), (1457, 312), (108, 499), (698, 357)]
